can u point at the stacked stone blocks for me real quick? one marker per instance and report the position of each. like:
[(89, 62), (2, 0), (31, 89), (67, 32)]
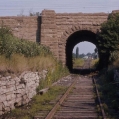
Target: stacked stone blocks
[(22, 27), (18, 91)]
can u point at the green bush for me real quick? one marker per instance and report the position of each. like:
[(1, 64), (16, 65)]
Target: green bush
[(9, 45)]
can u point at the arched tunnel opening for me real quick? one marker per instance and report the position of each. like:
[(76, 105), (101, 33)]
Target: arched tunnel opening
[(74, 39), (83, 52)]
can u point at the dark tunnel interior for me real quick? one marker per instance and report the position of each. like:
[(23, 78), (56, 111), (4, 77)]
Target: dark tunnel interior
[(73, 40)]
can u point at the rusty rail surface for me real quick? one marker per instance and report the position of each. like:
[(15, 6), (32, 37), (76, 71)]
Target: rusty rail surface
[(52, 112), (99, 100)]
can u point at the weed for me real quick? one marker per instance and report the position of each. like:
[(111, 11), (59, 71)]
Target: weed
[(38, 103), (53, 75), (79, 62)]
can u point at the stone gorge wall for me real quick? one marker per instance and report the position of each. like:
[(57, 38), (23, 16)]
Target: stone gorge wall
[(23, 27), (19, 90)]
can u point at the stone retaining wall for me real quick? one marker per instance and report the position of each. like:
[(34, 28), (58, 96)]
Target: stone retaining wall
[(19, 90)]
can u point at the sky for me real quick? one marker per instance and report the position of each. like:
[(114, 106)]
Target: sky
[(17, 7), (85, 47)]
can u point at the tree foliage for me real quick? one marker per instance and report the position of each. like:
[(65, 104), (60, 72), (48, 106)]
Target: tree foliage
[(77, 52), (96, 50), (109, 35), (108, 40)]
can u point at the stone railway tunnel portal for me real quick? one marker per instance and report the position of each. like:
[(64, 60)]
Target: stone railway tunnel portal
[(75, 38), (59, 31), (62, 31)]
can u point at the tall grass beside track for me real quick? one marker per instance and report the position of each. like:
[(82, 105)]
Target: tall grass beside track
[(78, 62), (94, 63)]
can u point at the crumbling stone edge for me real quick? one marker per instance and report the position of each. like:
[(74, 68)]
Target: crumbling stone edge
[(19, 90)]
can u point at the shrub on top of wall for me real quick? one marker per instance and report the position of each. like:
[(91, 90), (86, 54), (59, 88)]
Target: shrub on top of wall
[(9, 44), (18, 55)]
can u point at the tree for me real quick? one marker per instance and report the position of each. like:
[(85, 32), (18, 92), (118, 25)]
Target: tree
[(95, 50), (88, 54), (82, 55), (95, 54), (21, 13), (74, 55), (31, 13), (108, 40), (109, 35), (77, 52)]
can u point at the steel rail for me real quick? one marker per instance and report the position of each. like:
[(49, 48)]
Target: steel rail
[(99, 100), (52, 112)]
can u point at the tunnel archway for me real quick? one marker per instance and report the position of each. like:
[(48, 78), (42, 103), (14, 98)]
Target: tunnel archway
[(83, 52), (75, 38)]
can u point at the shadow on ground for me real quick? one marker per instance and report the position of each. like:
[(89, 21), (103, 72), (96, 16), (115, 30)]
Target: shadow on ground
[(83, 71)]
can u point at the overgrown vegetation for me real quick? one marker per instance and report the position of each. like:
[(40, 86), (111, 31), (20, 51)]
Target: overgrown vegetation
[(18, 55), (109, 51), (78, 62), (110, 34), (39, 103), (18, 63), (11, 45), (109, 93), (108, 39), (94, 63), (53, 75)]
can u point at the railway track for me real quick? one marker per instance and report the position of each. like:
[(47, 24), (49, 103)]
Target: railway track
[(77, 103), (87, 64)]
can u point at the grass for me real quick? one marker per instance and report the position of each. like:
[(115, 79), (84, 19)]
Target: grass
[(79, 62), (39, 103), (18, 63), (94, 63), (52, 76)]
